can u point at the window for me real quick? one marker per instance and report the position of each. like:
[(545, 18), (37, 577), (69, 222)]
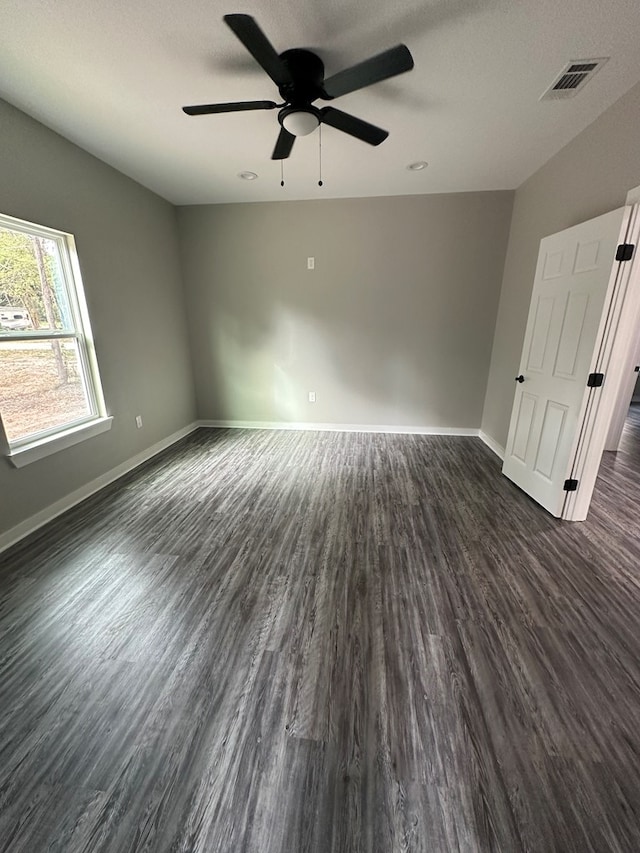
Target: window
[(50, 392)]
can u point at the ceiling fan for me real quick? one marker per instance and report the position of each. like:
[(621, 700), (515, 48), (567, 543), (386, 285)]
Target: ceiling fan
[(299, 76)]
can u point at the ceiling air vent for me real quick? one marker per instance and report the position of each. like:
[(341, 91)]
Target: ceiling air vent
[(572, 78)]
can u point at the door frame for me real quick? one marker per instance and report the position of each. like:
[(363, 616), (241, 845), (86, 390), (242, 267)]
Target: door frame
[(625, 398), (617, 337), (627, 387)]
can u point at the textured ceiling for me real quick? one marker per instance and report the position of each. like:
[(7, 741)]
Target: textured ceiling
[(112, 76)]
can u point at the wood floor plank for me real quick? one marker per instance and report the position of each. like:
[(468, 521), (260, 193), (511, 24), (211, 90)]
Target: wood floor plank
[(324, 643)]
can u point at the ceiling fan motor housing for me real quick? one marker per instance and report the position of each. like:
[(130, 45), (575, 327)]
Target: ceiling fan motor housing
[(298, 117), (307, 73)]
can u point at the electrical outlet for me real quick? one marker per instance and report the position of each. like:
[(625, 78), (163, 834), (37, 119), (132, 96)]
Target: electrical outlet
[(312, 396), (139, 421), (311, 263)]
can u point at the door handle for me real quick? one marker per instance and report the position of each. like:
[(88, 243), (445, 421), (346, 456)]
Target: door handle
[(520, 378)]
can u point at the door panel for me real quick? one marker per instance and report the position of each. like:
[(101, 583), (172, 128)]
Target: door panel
[(523, 426), (587, 256), (540, 334), (575, 275), (571, 335), (550, 439), (553, 265)]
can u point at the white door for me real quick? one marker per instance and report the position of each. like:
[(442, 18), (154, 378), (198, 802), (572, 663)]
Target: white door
[(574, 281)]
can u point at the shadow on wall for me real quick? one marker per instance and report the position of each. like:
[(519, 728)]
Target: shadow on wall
[(393, 326), (273, 376)]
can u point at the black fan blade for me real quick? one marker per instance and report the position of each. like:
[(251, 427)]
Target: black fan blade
[(353, 126), (207, 109), (259, 46), (394, 61), (284, 145)]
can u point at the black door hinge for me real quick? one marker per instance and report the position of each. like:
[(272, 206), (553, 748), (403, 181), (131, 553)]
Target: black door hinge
[(570, 485), (625, 252), (595, 380)]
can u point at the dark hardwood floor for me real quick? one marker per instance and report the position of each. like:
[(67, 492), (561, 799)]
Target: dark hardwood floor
[(323, 642)]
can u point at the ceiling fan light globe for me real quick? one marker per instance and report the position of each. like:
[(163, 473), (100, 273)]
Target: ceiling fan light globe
[(300, 123)]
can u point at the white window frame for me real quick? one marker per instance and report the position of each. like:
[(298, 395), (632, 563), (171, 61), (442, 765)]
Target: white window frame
[(38, 445)]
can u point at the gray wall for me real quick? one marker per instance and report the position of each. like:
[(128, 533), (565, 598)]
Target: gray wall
[(393, 327), (127, 245), (590, 176)]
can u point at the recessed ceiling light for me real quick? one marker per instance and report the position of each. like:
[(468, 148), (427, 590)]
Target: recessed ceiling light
[(247, 176), (418, 166)]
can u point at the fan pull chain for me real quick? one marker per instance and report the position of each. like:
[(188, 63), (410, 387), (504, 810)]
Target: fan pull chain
[(320, 153), (281, 173)]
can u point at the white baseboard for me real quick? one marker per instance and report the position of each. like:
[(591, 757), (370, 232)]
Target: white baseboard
[(325, 427), (492, 444), (49, 513)]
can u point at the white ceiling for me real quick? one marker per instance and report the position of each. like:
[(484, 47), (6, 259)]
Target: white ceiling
[(112, 75)]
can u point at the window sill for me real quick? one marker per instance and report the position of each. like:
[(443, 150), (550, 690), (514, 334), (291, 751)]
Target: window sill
[(28, 453)]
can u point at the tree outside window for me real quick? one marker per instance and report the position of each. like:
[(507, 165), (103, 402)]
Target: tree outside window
[(48, 373)]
